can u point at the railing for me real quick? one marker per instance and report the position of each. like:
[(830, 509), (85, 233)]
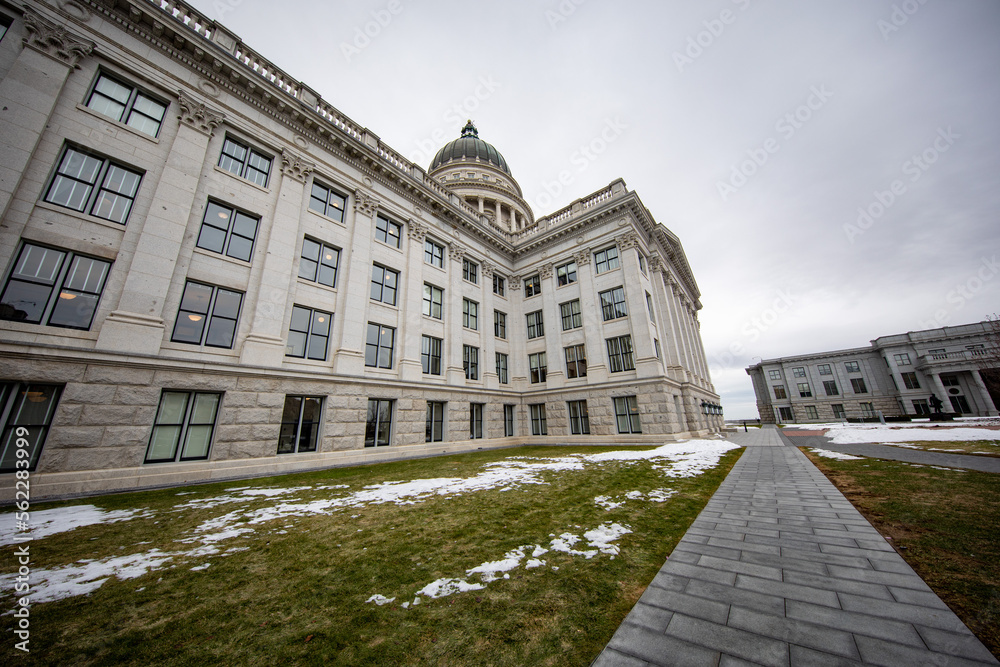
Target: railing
[(964, 355), (186, 15)]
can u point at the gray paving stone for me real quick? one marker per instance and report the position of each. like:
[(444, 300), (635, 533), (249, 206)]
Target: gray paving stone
[(661, 649), (786, 590), (704, 573), (612, 658), (807, 657), (699, 607), (745, 546), (821, 557), (708, 550), (921, 598), (796, 564), (831, 583), (910, 580), (647, 614), (889, 654), (735, 642), (740, 567), (670, 582), (770, 604), (792, 631), (854, 622), (943, 619), (962, 645)]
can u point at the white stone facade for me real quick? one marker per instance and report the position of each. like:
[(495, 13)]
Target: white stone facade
[(896, 376), (160, 197)]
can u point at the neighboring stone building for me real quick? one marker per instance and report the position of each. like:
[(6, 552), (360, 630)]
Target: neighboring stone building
[(211, 272), (896, 375)]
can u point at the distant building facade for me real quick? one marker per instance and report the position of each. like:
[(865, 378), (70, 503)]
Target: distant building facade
[(896, 376), (211, 272)]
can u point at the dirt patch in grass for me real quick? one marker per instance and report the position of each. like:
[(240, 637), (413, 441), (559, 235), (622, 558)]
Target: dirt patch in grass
[(944, 522), (297, 593)]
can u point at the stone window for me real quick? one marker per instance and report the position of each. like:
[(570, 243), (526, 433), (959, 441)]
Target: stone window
[(620, 354), (570, 313), (228, 231), (830, 387), (182, 431), (125, 103), (434, 253), (378, 425), (656, 347), (499, 285), (805, 391), (576, 361), (538, 426), (607, 259), (470, 314), (627, 414), (824, 369), (475, 421), (430, 355), (536, 327), (649, 307), (246, 162), (785, 414), (434, 430), (579, 421), (470, 271), (532, 286), (502, 367), (642, 262), (384, 284), (537, 367), (308, 333), (779, 391), (838, 411), (921, 407), (858, 384), (92, 184), (613, 304), (910, 380), (300, 420), (327, 201), (902, 359), (499, 324), (5, 23), (811, 412), (27, 411), (319, 262), (799, 372), (852, 367), (433, 301), (207, 315), (774, 375), (57, 287), (867, 409), (470, 362), (566, 274), (387, 231), (508, 421), (379, 346)]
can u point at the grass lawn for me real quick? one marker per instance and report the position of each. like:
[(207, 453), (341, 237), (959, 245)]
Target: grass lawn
[(944, 522), (293, 570), (980, 447)]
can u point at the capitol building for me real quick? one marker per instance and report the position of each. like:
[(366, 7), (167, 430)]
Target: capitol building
[(210, 272)]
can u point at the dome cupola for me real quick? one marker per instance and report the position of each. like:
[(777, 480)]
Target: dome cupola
[(469, 147)]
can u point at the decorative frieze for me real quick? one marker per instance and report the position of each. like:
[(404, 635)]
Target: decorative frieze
[(514, 282), (416, 231), (456, 251), (582, 257), (365, 204), (546, 271), (54, 40), (488, 270), (197, 115), (293, 166), (628, 240)]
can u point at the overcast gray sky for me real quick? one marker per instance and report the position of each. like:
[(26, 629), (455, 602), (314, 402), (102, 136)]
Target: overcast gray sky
[(832, 168)]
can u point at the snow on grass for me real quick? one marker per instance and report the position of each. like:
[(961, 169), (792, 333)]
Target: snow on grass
[(656, 496), (826, 453), (379, 600), (862, 433), (50, 522)]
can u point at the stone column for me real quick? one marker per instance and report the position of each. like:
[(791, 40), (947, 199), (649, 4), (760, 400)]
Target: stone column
[(411, 298), (517, 338), (590, 312), (984, 393), (678, 314), (137, 325), (940, 391), (488, 348), (265, 344), (351, 325), (28, 94), (646, 363), (668, 332), (555, 359), (453, 344)]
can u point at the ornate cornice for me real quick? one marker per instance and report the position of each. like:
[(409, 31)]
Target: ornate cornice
[(628, 240), (488, 270), (365, 204), (416, 230), (456, 251), (293, 166), (546, 271), (197, 115), (582, 257), (514, 282), (54, 40)]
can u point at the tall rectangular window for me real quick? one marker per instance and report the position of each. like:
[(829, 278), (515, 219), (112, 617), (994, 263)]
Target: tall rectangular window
[(433, 253), (627, 414), (642, 262), (606, 260), (910, 380), (433, 301), (246, 162), (508, 421), (779, 391), (858, 384), (378, 426), (613, 304), (499, 324), (830, 387), (502, 367), (182, 431), (94, 185), (566, 274), (799, 372), (538, 426), (470, 270), (656, 348), (319, 262), (379, 346), (774, 375), (620, 354), (57, 287), (532, 286), (387, 231), (824, 369), (499, 285), (852, 367), (576, 361), (811, 412), (434, 429), (126, 104), (804, 390), (308, 333), (470, 314), (300, 421), (570, 314), (867, 409), (921, 407), (579, 421), (536, 328), (470, 362), (430, 355), (207, 315), (26, 411), (649, 307), (385, 282), (327, 201), (475, 421), (838, 411), (537, 367), (902, 359), (228, 232)]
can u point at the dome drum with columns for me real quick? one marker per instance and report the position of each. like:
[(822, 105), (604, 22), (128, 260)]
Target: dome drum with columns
[(477, 172)]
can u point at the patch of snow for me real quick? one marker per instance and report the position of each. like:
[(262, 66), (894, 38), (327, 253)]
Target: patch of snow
[(380, 600), (826, 453), (61, 519), (863, 433), (606, 503), (533, 563), (446, 586), (201, 567)]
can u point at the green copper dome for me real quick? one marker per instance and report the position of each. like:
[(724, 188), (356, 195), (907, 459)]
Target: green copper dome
[(469, 147)]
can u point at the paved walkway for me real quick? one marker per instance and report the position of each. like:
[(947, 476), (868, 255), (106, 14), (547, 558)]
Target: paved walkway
[(780, 569)]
